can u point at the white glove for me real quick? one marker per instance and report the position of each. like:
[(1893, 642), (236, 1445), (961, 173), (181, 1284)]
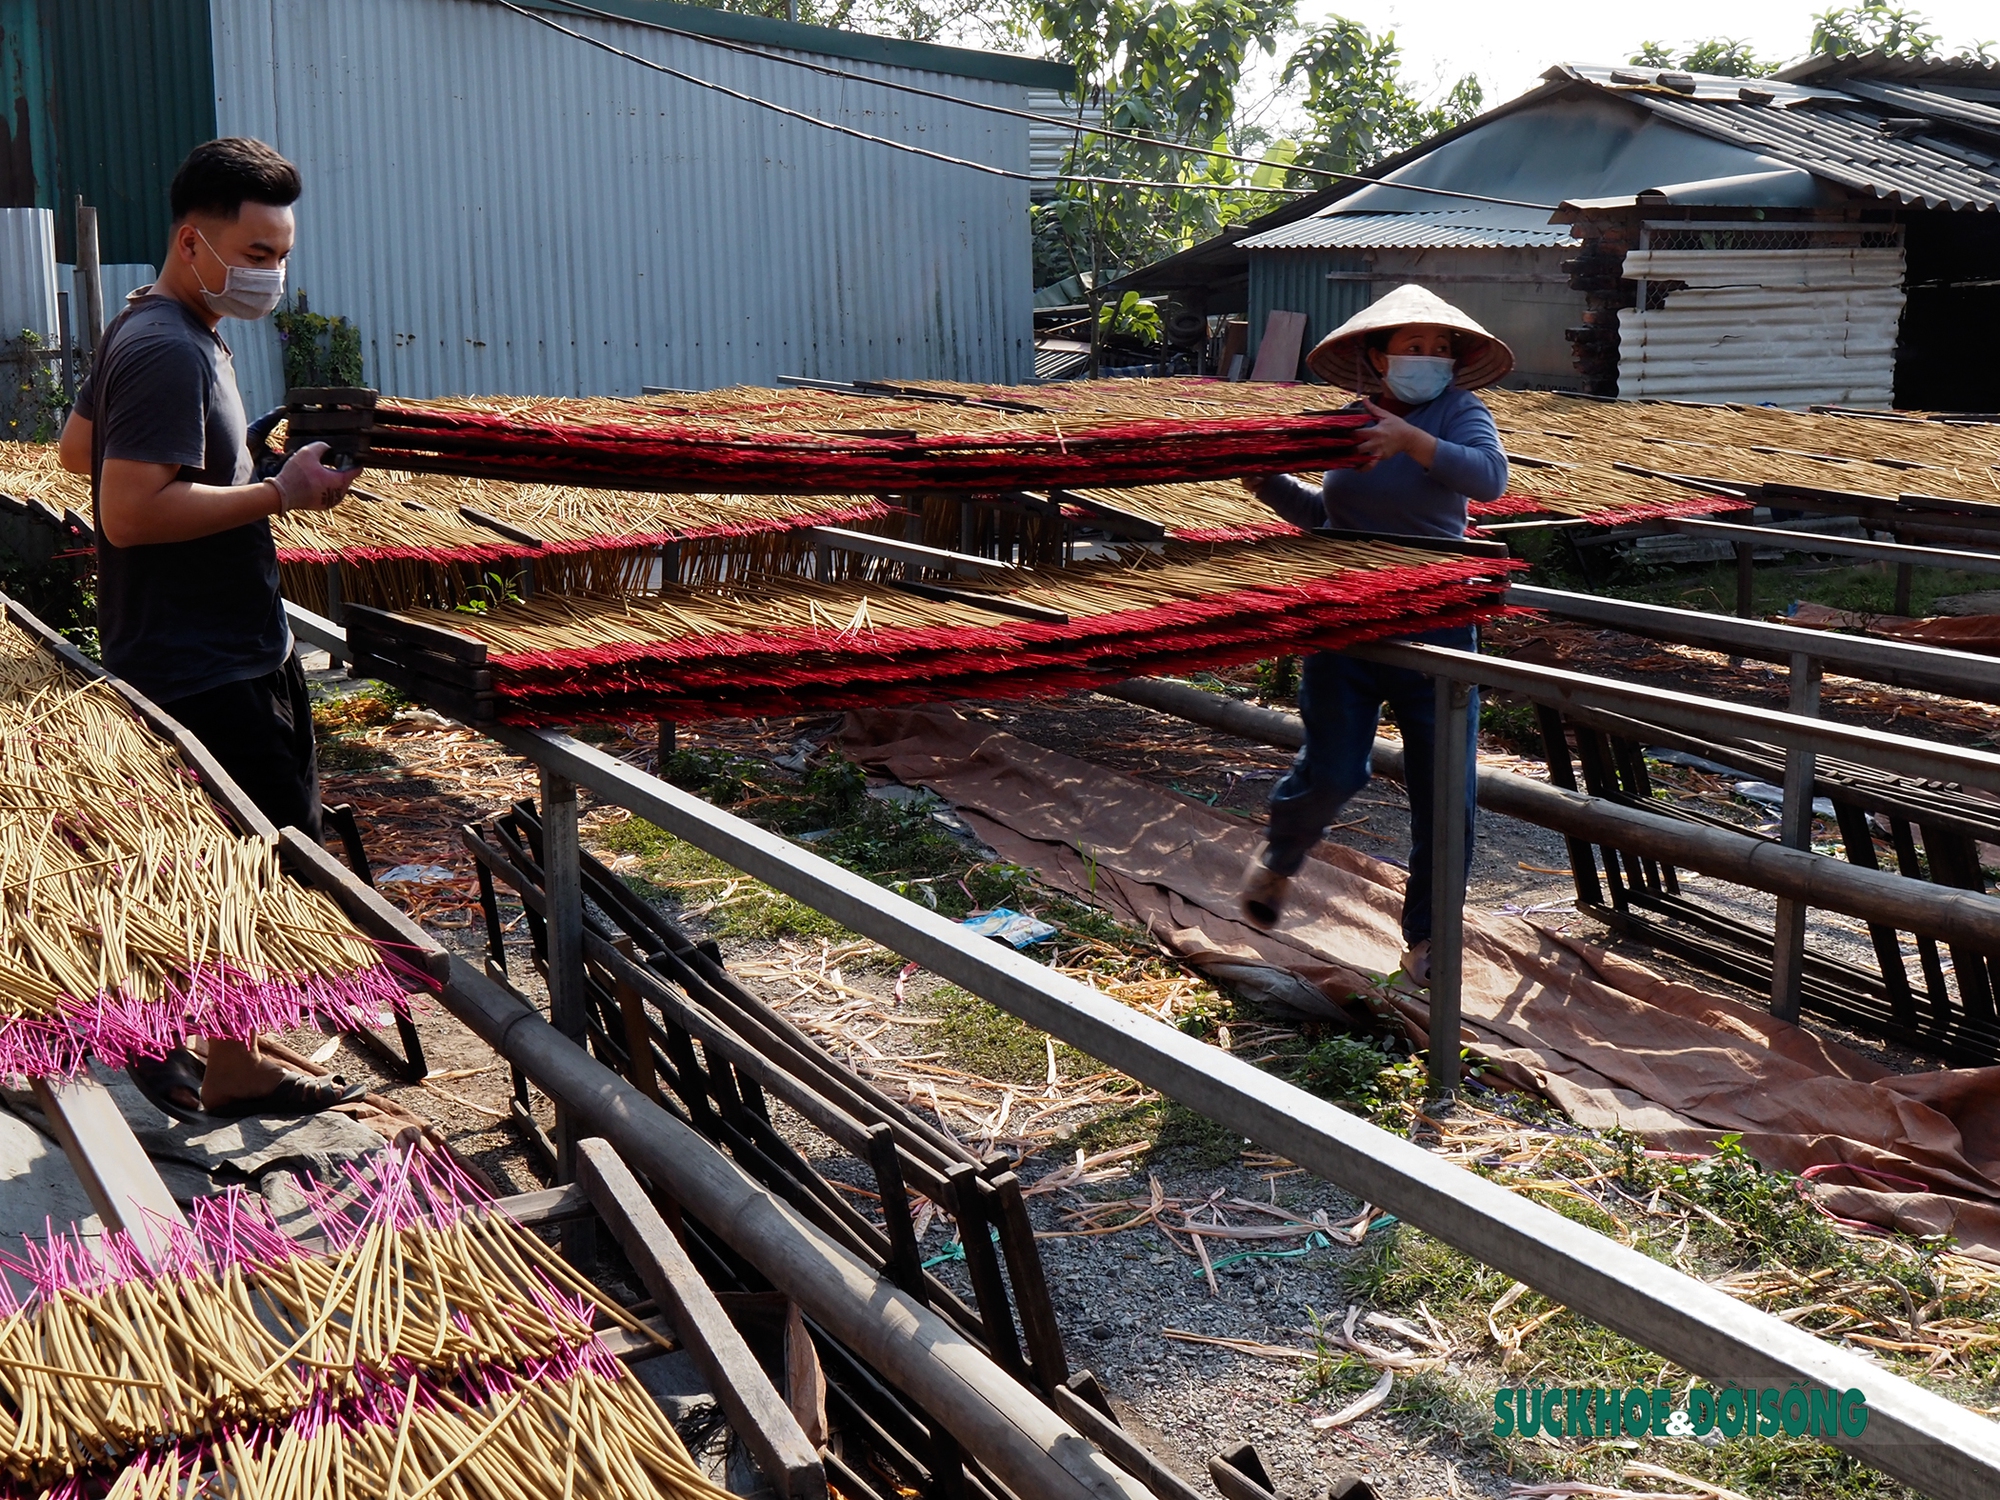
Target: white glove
[(305, 483)]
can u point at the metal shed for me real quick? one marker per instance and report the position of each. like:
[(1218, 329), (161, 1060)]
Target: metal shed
[(1824, 236), (1508, 275), (501, 208)]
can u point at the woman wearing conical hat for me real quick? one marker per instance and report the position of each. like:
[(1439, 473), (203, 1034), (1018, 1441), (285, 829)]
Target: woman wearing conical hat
[(1416, 360)]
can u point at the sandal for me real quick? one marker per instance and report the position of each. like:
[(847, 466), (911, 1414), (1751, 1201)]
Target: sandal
[(160, 1078), (296, 1095)]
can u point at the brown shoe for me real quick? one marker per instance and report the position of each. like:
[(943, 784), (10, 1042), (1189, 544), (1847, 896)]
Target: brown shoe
[(1264, 896)]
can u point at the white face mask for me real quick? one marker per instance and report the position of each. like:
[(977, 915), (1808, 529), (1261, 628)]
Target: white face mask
[(1417, 378), (248, 292)]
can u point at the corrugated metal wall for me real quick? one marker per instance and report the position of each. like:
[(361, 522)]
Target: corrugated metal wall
[(1517, 293), (1789, 327), (1295, 281), (27, 274), (27, 135), (502, 209), (134, 93)]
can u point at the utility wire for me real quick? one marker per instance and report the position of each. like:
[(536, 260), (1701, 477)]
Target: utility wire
[(1076, 126), (862, 135)]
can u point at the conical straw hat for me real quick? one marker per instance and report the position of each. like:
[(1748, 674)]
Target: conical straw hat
[(1339, 360)]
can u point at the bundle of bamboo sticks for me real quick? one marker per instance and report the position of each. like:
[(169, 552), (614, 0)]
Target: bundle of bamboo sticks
[(773, 645), (131, 915), (431, 1346)]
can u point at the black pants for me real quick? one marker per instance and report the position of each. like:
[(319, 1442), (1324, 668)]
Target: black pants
[(261, 730)]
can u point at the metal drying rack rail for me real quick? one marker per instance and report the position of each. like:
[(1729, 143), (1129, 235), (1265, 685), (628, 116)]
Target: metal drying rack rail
[(1915, 1436), (1951, 825)]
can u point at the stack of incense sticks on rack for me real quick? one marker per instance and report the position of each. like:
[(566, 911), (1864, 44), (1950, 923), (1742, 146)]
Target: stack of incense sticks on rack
[(429, 1346), (792, 645), (406, 539), (818, 441), (1756, 445), (132, 915), (1223, 510)]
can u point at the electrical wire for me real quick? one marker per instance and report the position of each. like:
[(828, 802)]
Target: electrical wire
[(862, 135), (1077, 126)]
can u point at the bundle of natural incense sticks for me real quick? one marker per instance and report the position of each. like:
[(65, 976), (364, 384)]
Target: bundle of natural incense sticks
[(1224, 510), (779, 644), (428, 1345), (788, 441), (132, 916), (441, 518), (1757, 444)]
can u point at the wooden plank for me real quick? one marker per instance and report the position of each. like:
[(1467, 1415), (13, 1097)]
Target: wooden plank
[(547, 1205), (123, 1184), (1227, 1472), (757, 1413), (621, 1344), (452, 701), (374, 916), (364, 620), (1283, 343), (1121, 1448), (1111, 518), (434, 665)]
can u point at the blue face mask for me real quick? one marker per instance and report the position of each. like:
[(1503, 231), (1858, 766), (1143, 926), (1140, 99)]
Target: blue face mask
[(1417, 378)]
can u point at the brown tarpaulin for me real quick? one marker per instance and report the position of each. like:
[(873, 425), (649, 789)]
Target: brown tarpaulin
[(1954, 632), (1605, 1038)]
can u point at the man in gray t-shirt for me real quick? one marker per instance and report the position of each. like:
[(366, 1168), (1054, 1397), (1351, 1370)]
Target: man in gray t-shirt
[(188, 606)]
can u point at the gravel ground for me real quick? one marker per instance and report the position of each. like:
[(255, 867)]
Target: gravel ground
[(1116, 1294)]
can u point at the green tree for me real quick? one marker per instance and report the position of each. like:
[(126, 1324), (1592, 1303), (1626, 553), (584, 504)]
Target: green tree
[(1357, 101), (1871, 25), (1167, 71), (1722, 56)]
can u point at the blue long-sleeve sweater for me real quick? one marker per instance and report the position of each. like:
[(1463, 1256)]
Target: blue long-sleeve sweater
[(1399, 497)]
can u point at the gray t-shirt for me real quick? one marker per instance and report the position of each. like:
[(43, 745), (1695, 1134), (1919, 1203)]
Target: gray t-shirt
[(179, 618)]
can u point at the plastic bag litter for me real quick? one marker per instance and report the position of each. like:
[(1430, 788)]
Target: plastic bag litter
[(1014, 928)]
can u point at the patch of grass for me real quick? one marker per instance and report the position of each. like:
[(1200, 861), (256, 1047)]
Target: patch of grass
[(1869, 588), (347, 753), (1763, 1217), (1180, 1137), (1192, 1140), (688, 877), (1512, 722), (1436, 1408), (1343, 1069), (1398, 1267), (370, 708), (1278, 680), (1139, 1121), (986, 1040)]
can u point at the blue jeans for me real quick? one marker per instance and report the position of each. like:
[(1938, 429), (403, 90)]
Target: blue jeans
[(1340, 700)]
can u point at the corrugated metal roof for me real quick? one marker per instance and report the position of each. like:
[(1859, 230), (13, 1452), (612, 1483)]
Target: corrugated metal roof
[(829, 41), (1831, 134), (1462, 229), (499, 208)]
